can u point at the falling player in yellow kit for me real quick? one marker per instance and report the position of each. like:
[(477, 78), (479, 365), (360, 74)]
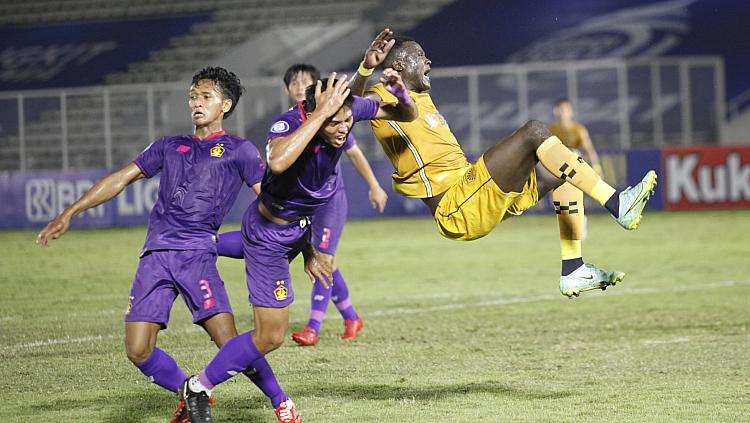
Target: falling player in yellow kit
[(467, 199)]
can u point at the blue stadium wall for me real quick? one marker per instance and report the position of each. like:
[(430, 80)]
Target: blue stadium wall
[(689, 178)]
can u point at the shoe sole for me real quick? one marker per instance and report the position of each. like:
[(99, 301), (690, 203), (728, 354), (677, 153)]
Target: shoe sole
[(575, 292), (651, 181)]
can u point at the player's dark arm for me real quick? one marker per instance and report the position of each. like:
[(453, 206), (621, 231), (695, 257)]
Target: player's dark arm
[(103, 191), (405, 110), (375, 54), (282, 152)]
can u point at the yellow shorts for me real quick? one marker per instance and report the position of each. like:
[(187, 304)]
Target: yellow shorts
[(474, 205)]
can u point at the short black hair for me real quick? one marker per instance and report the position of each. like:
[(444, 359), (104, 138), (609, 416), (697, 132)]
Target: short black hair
[(229, 83), (396, 49), (300, 67), (310, 96), (562, 100)]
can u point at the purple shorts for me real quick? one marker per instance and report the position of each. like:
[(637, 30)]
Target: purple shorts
[(328, 223), (163, 274), (268, 248)]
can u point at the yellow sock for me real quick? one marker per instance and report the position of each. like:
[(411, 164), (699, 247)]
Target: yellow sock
[(565, 164), (568, 203)]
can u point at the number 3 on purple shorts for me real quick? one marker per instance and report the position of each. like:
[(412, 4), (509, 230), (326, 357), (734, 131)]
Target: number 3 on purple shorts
[(208, 296)]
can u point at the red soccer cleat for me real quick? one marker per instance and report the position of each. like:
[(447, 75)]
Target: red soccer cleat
[(307, 337), (287, 413), (180, 415), (351, 328)]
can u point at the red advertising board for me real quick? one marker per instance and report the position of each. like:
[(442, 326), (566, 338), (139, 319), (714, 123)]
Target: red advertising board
[(706, 177)]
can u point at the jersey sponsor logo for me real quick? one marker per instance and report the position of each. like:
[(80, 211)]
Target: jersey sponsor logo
[(280, 127), (217, 150), (183, 149), (280, 292), (434, 120)]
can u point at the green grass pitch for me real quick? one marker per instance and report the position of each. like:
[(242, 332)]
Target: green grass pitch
[(454, 332)]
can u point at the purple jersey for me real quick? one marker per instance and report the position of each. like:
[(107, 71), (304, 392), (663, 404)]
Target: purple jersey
[(200, 180), (314, 177)]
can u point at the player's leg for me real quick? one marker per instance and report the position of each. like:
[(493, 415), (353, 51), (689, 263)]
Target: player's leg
[(534, 142), (149, 304), (334, 225), (229, 244), (267, 249)]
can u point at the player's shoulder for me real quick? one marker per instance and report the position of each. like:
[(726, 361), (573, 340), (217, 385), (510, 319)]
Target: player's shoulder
[(286, 121)]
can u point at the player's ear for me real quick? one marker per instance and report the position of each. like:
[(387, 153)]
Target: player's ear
[(226, 105), (398, 65), (308, 114)]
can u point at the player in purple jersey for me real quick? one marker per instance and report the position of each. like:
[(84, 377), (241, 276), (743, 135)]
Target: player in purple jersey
[(200, 178), (327, 226), (303, 153)]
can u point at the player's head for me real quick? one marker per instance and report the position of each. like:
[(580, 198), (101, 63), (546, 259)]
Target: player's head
[(408, 58), (563, 109), (214, 93), (336, 128), (297, 78)]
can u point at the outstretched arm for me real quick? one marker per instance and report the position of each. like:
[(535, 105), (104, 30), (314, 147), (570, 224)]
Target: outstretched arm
[(378, 196), (282, 152), (404, 110), (375, 54), (103, 191)]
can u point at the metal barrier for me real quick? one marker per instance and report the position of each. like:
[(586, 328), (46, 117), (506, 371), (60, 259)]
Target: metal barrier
[(624, 104)]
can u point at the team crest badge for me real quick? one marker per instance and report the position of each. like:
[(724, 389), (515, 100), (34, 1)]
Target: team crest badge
[(217, 150), (280, 292), (470, 175)]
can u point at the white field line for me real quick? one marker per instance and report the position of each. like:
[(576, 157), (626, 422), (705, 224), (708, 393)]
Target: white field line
[(400, 311)]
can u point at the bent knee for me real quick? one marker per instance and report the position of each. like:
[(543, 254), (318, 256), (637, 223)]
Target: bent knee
[(536, 131), (138, 353), (269, 341)]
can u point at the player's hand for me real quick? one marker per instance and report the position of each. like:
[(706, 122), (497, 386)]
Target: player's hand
[(379, 49), (378, 198), (330, 101), (54, 229), (318, 268), (395, 85)]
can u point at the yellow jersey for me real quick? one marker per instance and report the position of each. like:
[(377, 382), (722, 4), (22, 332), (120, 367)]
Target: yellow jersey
[(571, 136), (425, 153)]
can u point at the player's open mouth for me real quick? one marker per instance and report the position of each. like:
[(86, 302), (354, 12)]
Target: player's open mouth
[(197, 114)]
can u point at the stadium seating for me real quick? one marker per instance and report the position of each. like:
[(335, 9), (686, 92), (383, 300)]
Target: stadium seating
[(232, 22)]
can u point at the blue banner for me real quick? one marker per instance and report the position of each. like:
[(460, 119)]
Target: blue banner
[(81, 53), (32, 199)]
